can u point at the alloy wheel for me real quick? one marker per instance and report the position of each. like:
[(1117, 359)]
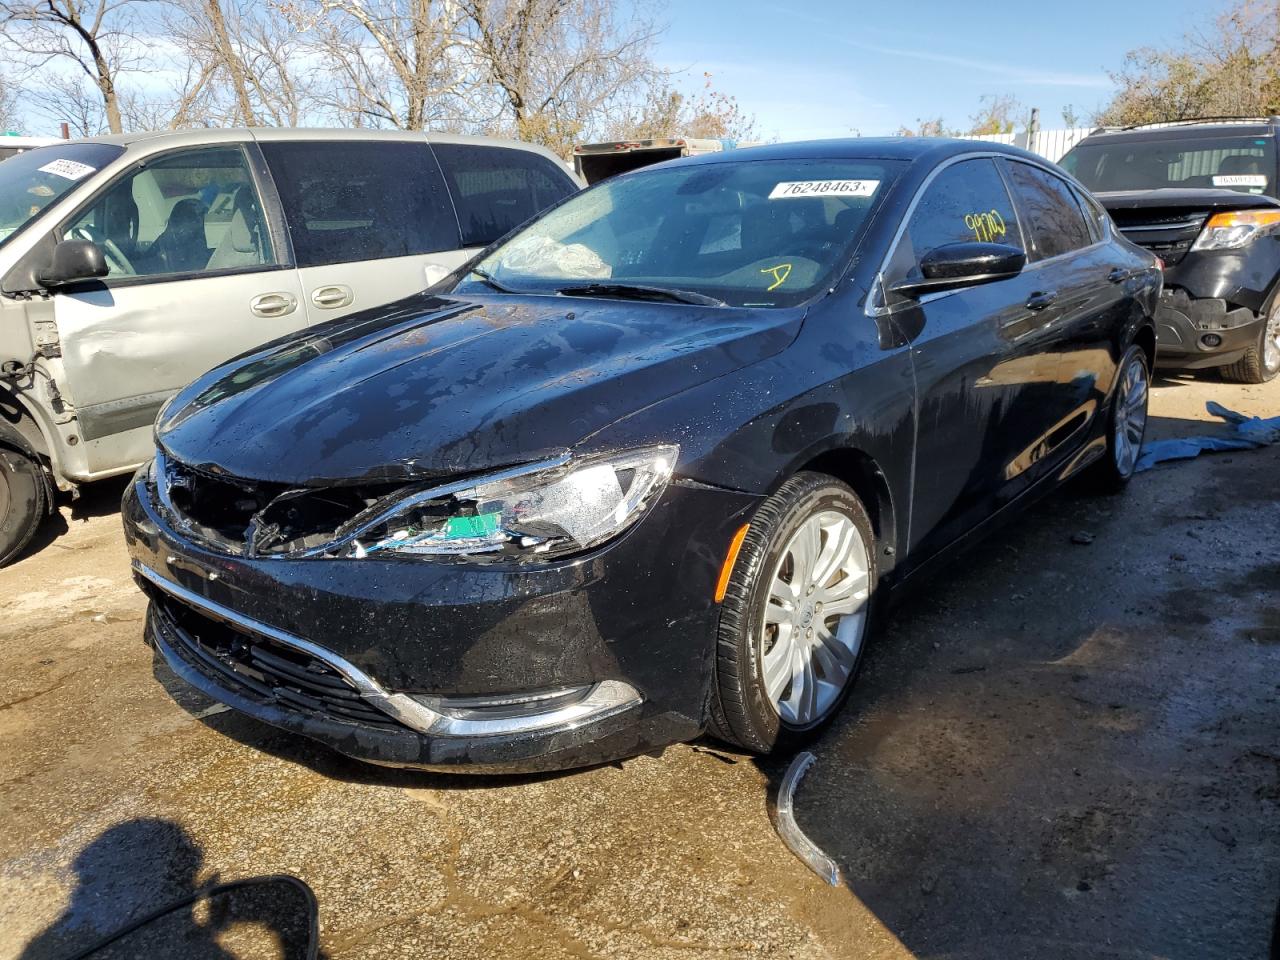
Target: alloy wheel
[(1271, 342), (814, 618), (1131, 416)]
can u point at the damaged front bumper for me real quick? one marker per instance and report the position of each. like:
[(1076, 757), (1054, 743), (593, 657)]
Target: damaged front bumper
[(1195, 333), (411, 663)]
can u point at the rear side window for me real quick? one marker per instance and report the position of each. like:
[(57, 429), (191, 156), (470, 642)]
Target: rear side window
[(1050, 210), (495, 189), (361, 201), (966, 202)]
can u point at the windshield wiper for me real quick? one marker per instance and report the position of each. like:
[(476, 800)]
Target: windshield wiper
[(639, 291), (489, 279)]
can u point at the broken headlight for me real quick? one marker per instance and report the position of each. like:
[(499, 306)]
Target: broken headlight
[(537, 515)]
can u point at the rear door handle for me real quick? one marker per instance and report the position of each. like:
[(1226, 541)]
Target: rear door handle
[(1040, 300), (332, 297), (273, 304), (1119, 275)]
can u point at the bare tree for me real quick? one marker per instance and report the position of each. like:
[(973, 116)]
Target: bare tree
[(663, 111), (68, 99), (93, 35), (995, 114), (8, 103), (557, 67)]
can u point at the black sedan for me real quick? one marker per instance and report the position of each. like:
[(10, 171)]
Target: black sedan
[(648, 466)]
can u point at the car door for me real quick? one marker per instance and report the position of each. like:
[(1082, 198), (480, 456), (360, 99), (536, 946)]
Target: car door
[(979, 359), (370, 220), (1085, 295), (198, 273)]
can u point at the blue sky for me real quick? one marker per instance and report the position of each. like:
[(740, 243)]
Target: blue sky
[(826, 68)]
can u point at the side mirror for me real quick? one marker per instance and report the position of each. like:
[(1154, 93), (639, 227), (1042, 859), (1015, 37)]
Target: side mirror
[(962, 265), (74, 260)]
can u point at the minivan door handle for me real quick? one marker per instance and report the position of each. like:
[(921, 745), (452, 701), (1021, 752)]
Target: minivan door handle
[(1041, 300), (273, 304), (332, 297)]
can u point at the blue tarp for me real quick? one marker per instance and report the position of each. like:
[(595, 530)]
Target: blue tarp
[(1249, 433)]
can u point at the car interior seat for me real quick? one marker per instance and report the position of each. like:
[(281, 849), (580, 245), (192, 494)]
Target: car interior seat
[(120, 220), (182, 246), (242, 242), (1238, 164)]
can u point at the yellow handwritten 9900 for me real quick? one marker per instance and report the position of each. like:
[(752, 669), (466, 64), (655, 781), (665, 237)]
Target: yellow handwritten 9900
[(986, 227)]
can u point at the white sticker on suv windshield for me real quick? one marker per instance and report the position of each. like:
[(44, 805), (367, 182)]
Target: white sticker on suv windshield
[(823, 188), (67, 169), (1240, 180)]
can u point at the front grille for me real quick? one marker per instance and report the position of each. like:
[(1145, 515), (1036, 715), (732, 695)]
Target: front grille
[(271, 671), (1169, 236)]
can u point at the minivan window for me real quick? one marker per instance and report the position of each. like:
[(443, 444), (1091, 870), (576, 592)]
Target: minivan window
[(764, 233), (190, 212), (1247, 164), (348, 201), (1050, 210), (967, 201), (495, 189), (34, 179)]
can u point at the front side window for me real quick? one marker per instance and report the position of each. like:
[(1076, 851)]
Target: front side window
[(1246, 164), (495, 189), (764, 233), (966, 202), (183, 213), (1051, 211), (33, 180), (370, 200)]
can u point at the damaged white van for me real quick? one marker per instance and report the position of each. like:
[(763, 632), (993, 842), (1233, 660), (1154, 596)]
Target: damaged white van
[(129, 265)]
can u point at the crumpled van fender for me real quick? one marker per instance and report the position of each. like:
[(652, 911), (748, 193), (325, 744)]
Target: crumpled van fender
[(20, 432)]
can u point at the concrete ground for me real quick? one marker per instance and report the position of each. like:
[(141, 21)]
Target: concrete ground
[(1057, 749)]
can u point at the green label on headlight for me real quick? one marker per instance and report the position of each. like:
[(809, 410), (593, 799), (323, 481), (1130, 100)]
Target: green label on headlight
[(469, 528)]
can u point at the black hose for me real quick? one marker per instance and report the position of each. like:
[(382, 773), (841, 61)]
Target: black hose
[(313, 911)]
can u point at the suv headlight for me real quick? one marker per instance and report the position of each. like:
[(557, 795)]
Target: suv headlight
[(540, 514), (1236, 228)]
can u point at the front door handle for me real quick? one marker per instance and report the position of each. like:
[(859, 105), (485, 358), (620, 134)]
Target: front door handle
[(332, 297), (273, 304), (1119, 275), (1041, 299)]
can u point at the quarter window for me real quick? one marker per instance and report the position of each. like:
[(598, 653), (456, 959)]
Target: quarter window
[(191, 212), (347, 201), (967, 201), (1051, 211), (495, 189)]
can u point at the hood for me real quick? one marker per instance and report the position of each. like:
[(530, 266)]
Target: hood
[(434, 386), (1178, 198)]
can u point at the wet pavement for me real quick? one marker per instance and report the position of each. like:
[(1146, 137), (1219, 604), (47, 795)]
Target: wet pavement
[(1056, 749)]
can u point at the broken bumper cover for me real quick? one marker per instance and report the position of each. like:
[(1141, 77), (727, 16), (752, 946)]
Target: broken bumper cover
[(1194, 333), (413, 663)]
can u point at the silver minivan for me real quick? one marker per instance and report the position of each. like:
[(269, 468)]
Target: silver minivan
[(129, 265)]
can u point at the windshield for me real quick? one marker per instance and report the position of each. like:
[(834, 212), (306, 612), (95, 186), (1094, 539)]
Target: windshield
[(33, 180), (762, 233), (1247, 164)]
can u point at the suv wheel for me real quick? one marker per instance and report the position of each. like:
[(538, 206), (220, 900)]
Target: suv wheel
[(22, 501), (1262, 361), (795, 615)]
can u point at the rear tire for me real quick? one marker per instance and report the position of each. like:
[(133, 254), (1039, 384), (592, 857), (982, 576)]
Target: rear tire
[(1126, 424), (1261, 362), (23, 502), (783, 670)]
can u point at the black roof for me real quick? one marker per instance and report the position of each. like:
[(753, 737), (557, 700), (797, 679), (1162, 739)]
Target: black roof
[(863, 148), (1187, 131)]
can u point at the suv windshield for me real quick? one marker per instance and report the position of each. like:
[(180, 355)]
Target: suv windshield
[(1247, 164), (33, 180), (763, 233)]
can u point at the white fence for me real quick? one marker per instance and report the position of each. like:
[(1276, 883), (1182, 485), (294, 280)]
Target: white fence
[(1050, 144)]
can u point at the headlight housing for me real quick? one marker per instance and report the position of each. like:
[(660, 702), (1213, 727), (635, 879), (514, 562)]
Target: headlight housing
[(1236, 228), (535, 515)]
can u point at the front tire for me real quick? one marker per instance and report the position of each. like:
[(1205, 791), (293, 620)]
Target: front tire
[(795, 615), (1261, 362), (22, 502)]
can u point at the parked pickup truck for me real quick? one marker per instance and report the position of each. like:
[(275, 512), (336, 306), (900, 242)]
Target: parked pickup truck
[(1201, 195), (594, 162)]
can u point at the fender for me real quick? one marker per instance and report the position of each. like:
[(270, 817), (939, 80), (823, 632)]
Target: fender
[(19, 431)]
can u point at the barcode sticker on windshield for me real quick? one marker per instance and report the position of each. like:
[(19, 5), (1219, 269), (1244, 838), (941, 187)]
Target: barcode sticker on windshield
[(1240, 180), (67, 169), (823, 188)]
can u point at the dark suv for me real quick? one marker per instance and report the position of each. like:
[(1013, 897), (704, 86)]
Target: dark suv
[(1201, 195)]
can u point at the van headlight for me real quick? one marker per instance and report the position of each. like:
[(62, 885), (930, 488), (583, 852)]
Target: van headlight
[(1236, 228), (536, 515)]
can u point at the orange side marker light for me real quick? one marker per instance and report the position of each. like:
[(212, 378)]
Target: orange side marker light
[(722, 585)]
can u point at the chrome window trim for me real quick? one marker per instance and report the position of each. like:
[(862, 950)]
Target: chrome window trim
[(877, 289)]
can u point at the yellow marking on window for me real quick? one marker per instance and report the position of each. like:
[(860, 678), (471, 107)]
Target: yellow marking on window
[(780, 274), (986, 227)]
